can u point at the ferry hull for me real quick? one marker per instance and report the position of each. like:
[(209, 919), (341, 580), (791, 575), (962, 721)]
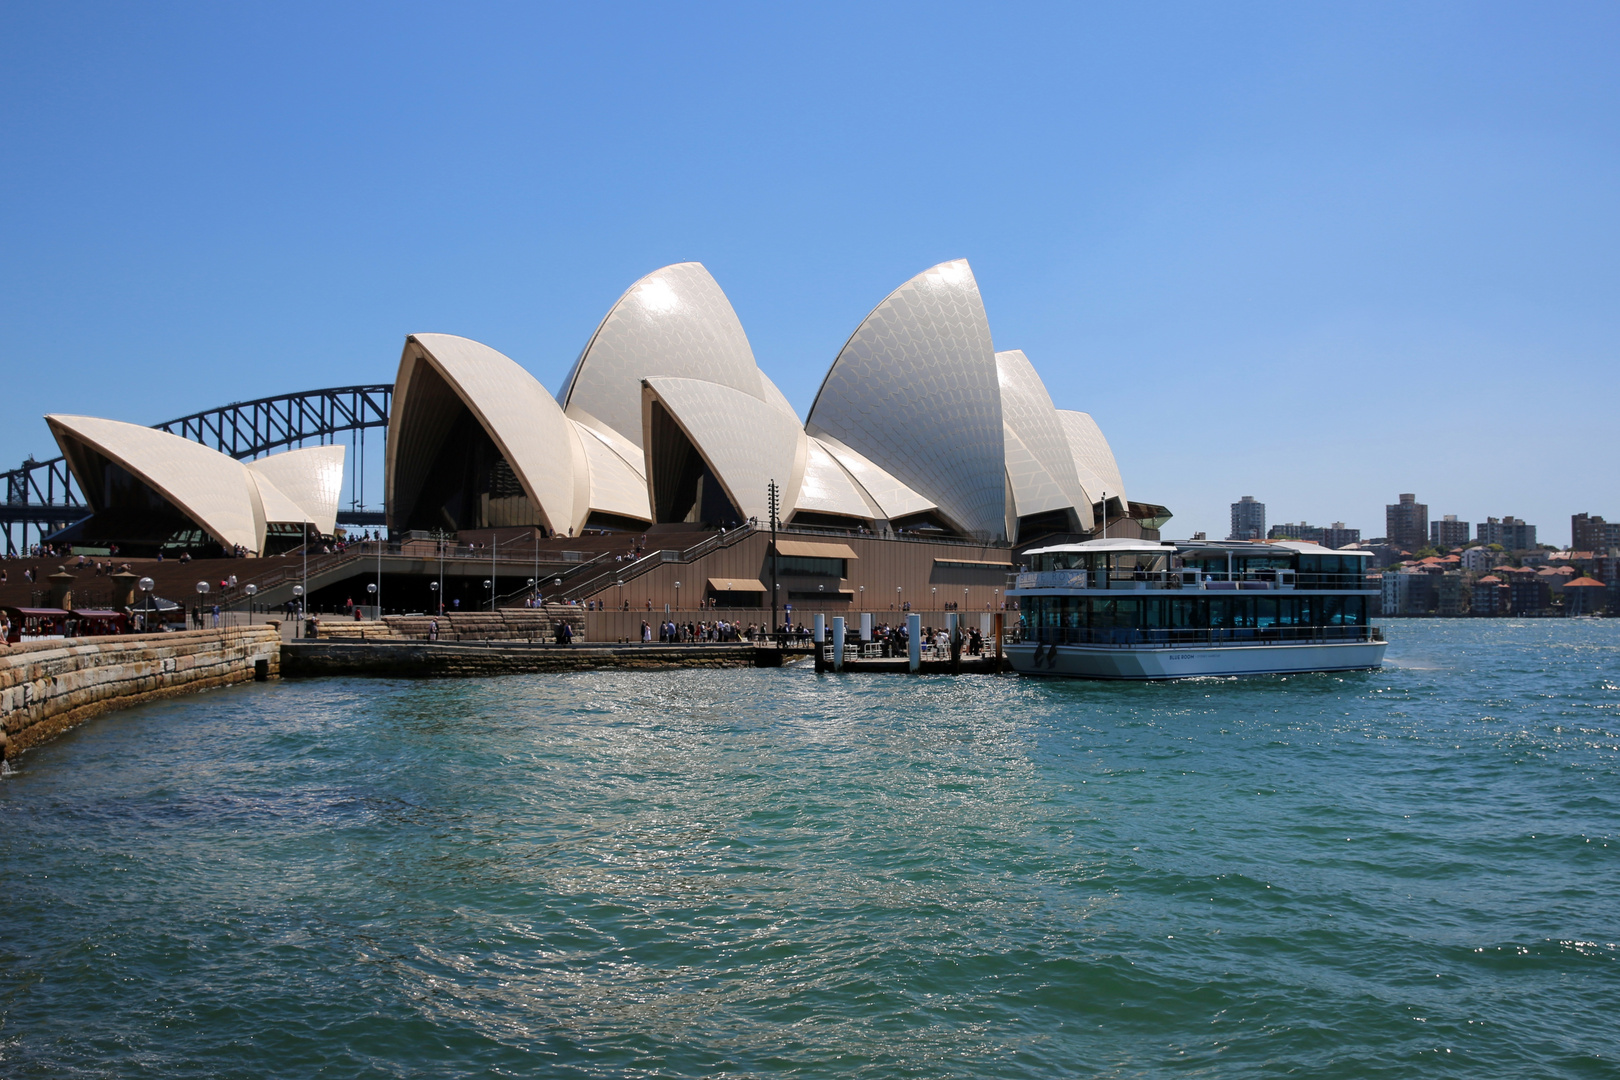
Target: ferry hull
[(1114, 662)]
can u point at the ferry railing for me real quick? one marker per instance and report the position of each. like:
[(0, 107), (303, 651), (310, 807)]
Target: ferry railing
[(1186, 578), (1127, 638)]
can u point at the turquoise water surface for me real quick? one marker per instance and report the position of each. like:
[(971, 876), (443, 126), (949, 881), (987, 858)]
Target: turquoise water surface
[(1411, 872)]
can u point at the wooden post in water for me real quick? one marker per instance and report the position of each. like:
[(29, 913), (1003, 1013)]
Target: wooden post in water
[(838, 643), (914, 642)]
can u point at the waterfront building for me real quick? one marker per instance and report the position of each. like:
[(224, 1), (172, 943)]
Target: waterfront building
[(920, 427), (1248, 519), (1528, 595), (1338, 536), (1591, 533), (1452, 595), (1408, 592), (1478, 559), (1448, 532), (1585, 596), (1290, 531), (1406, 523), (1511, 532), (1329, 536), (1489, 597), (928, 458)]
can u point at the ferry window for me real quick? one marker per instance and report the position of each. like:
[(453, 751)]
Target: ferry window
[(1231, 612), (1115, 613), (1332, 610), (1265, 612)]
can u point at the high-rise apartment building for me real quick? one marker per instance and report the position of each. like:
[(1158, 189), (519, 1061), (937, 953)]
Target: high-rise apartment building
[(1406, 523), (1593, 534), (1248, 519), (1337, 536), (1311, 534), (1333, 536), (1511, 532), (1448, 532)]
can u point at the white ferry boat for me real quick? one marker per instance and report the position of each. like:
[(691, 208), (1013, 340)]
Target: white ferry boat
[(1145, 609)]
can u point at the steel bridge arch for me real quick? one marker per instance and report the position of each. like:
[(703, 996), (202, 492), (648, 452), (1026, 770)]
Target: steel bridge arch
[(42, 495)]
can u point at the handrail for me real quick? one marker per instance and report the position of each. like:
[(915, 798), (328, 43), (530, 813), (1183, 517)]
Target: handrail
[(1131, 637), (1187, 578), (658, 558)]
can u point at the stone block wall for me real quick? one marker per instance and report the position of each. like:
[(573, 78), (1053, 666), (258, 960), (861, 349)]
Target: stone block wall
[(47, 687)]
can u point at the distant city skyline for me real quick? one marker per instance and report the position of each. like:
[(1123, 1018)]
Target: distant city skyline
[(1322, 255)]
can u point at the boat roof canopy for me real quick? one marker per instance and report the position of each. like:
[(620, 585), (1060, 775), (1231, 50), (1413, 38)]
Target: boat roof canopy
[(1124, 546)]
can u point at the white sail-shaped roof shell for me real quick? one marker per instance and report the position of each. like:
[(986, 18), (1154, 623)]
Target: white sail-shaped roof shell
[(521, 418), (1040, 462), (1093, 459), (828, 487), (310, 478), (617, 485), (746, 442), (892, 497), (278, 508), (915, 391), (674, 323), (214, 490)]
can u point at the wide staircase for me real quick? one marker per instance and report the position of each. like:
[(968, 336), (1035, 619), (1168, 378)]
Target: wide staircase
[(505, 624)]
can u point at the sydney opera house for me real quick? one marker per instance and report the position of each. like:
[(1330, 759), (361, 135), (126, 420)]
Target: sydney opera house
[(920, 425), (921, 431)]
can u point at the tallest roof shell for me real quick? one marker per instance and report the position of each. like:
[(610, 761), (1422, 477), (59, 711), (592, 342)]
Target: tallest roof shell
[(915, 391)]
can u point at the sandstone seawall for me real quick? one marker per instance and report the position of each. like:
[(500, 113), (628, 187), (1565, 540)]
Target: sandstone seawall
[(48, 687)]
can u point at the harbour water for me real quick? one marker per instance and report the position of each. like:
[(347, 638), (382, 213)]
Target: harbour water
[(1409, 872)]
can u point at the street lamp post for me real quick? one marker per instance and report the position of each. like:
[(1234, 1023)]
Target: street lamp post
[(298, 595), (438, 608), (378, 589), (252, 590), (677, 596), (147, 585), (202, 591), (488, 584), (376, 594), (774, 499)]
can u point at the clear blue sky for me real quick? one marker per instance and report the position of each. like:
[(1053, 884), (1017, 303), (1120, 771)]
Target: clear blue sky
[(1320, 255)]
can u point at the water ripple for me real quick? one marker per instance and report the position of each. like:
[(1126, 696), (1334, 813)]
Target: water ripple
[(1401, 873)]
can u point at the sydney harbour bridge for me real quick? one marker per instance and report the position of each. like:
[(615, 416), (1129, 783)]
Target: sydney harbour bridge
[(42, 497)]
